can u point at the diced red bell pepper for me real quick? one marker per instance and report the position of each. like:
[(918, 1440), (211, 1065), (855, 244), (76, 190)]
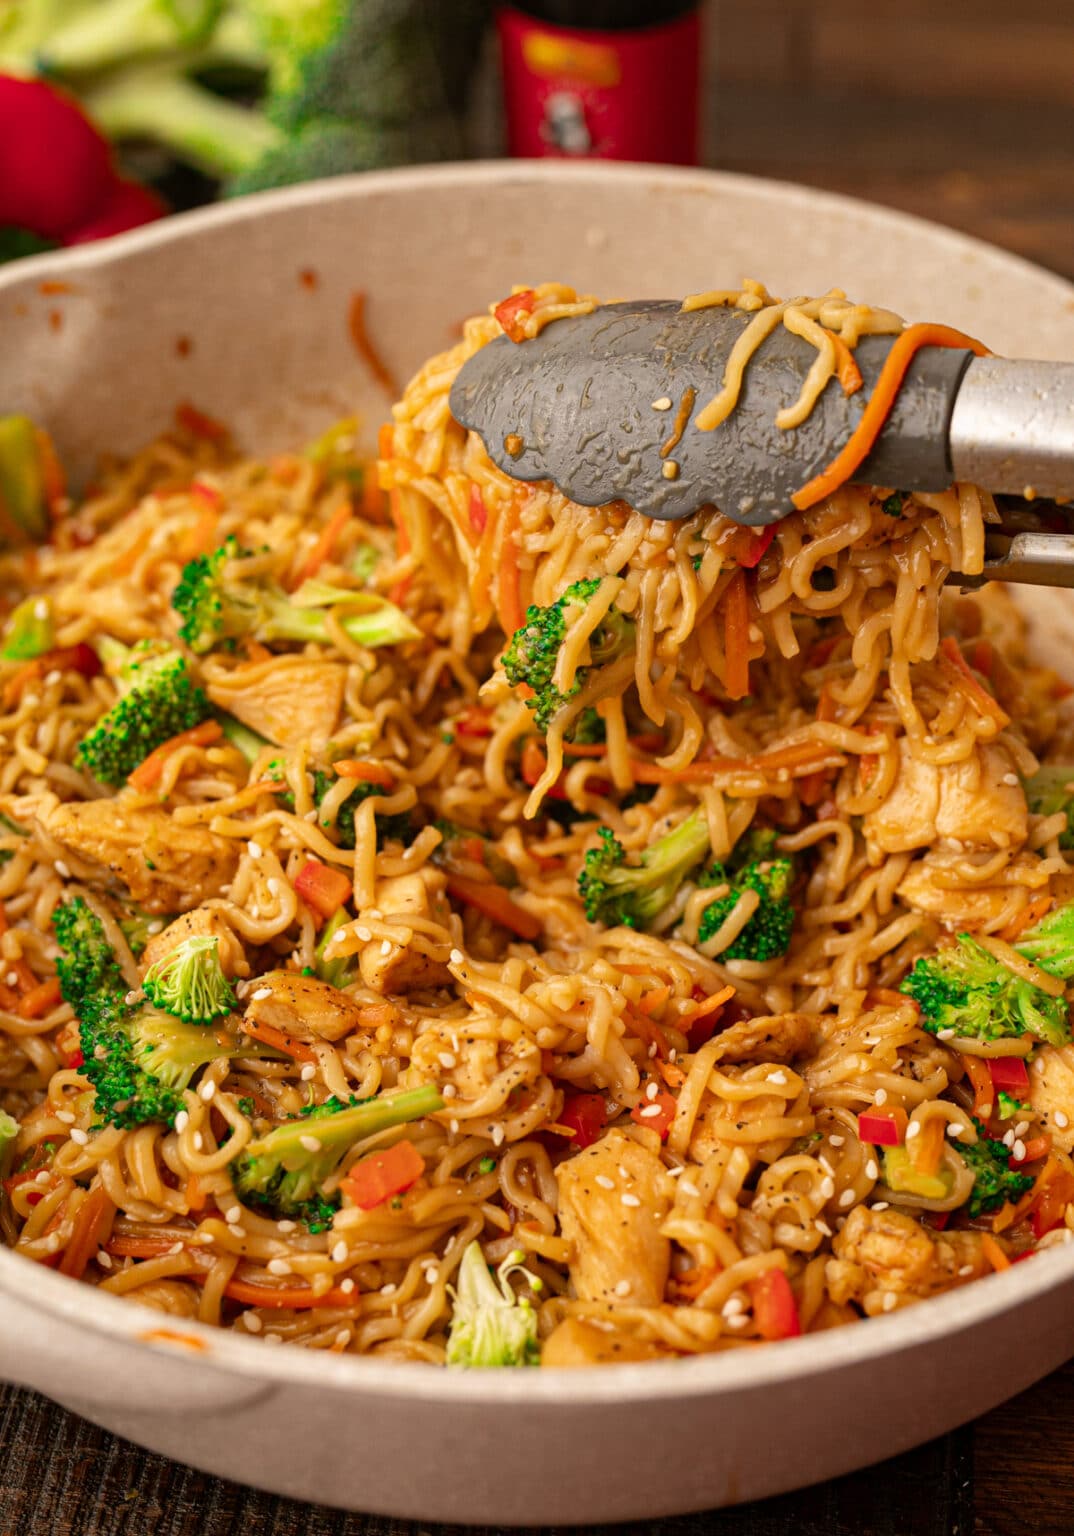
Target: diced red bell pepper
[(323, 888), (586, 1114), (512, 312), (479, 515), (774, 1308), (1009, 1074), (883, 1127), (937, 1220), (474, 721), (656, 1114), (384, 1174), (752, 554)]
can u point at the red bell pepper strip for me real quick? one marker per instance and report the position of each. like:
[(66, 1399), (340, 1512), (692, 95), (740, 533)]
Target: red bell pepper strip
[(774, 1308), (586, 1114), (479, 516), (757, 547), (656, 1114), (384, 1174), (322, 888), (883, 1127), (512, 313), (1009, 1074)]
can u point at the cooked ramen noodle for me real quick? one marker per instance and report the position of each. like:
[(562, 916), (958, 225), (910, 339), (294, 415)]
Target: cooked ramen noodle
[(491, 929)]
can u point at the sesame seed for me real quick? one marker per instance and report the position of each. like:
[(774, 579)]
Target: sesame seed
[(881, 1097), (871, 1170), (498, 1134), (1039, 1067), (954, 1130), (673, 1055), (913, 1129), (385, 946), (945, 1034), (967, 1269), (79, 1137), (310, 815), (649, 1111), (822, 1226), (346, 1286), (207, 1091), (623, 1288), (254, 849), (310, 1143), (1061, 1120), (343, 1338), (62, 869), (663, 404), (847, 1198), (827, 1188), (456, 957), (52, 678), (603, 1180), (880, 1205), (278, 1267), (777, 1077), (733, 1306), (176, 1248), (273, 1338), (891, 1301), (826, 1165), (260, 995), (432, 1274), (233, 1214), (41, 606), (836, 1141), (652, 1049), (1018, 1151), (651, 1091), (12, 978), (251, 1322), (198, 1143), (132, 997), (236, 1229), (1021, 1128), (339, 1253), (1008, 1138), (287, 1226), (447, 1060), (453, 1127), (449, 1090), (156, 926), (689, 1188), (630, 1200), (65, 1117), (104, 1259), (1009, 778), (43, 1177), (389, 1289), (740, 1320), (272, 885)]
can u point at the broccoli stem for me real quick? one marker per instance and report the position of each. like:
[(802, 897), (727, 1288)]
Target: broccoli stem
[(153, 101), (112, 31)]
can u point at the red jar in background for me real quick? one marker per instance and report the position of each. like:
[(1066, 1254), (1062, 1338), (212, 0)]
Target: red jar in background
[(602, 79)]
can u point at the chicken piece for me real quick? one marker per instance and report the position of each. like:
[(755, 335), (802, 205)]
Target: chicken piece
[(205, 923), (931, 885), (890, 1251), (1051, 1093), (968, 801), (579, 1341), (402, 967), (302, 1006), (291, 700), (165, 865), (618, 1253), (770, 1037)]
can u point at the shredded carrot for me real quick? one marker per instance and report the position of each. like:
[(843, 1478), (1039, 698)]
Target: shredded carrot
[(1031, 913), (494, 902), (651, 1001), (984, 1092), (708, 1005), (40, 999), (689, 1285), (878, 407), (148, 773), (124, 1247), (202, 537), (365, 348), (736, 637), (1009, 1215), (799, 761), (327, 542), (92, 1224), (366, 769), (848, 373), (994, 1253), (277, 1039), (196, 1197), (646, 1029), (928, 1147), (977, 693), (674, 1076)]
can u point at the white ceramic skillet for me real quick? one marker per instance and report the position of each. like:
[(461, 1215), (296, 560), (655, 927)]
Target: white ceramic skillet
[(242, 310)]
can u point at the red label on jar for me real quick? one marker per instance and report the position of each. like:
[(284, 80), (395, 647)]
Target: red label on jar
[(601, 95)]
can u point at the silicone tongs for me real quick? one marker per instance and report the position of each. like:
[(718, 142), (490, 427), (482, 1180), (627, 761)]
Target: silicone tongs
[(606, 406)]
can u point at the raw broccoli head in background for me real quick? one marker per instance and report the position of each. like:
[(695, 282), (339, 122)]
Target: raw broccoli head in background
[(963, 988), (220, 606), (284, 1170), (189, 982), (615, 892), (994, 1181), (158, 699), (531, 654)]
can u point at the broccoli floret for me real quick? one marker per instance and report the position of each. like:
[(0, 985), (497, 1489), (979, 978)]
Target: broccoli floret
[(490, 1325), (341, 971), (110, 31), (892, 505), (994, 1181), (1049, 790), (189, 981), (964, 990), (1007, 1106), (615, 892), (219, 606), (531, 654), (158, 699), (87, 964), (138, 928), (29, 630), (389, 828), (767, 935), (285, 1170), (1050, 945)]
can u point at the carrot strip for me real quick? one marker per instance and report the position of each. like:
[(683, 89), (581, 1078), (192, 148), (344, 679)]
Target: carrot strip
[(92, 1224), (994, 1253), (123, 1247), (709, 1005), (1031, 913), (878, 407), (494, 902), (651, 1001), (40, 999), (848, 373), (196, 1197), (736, 631), (324, 546), (277, 1039), (647, 1030), (366, 769), (986, 705), (202, 536), (984, 1092), (365, 348), (928, 1148), (149, 772)]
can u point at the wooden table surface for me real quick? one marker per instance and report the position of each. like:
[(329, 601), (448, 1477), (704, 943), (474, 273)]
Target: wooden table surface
[(1005, 172)]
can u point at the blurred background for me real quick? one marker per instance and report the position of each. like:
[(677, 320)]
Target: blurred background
[(116, 111)]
